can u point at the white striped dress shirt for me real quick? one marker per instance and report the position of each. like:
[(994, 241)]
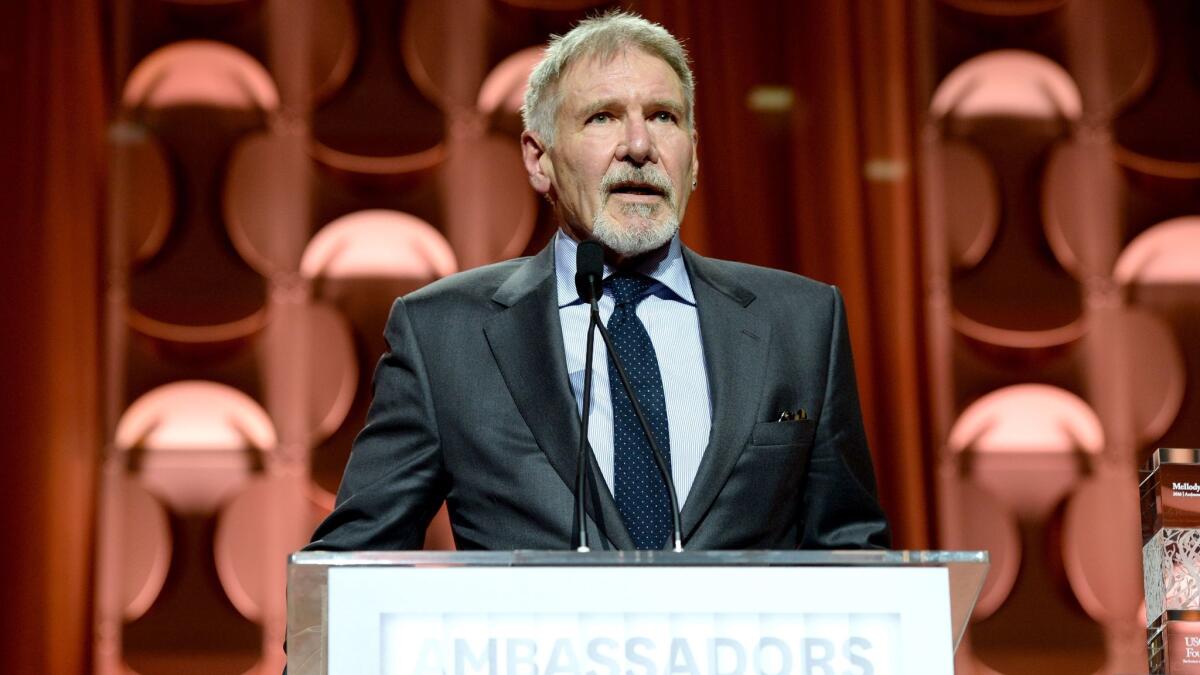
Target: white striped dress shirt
[(670, 317)]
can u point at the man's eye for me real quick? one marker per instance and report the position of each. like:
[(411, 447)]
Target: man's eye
[(663, 116), (599, 118)]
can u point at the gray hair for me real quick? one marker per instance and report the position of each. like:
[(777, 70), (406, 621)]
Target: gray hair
[(599, 37)]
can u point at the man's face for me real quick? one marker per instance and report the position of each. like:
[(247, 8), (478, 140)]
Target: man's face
[(624, 159)]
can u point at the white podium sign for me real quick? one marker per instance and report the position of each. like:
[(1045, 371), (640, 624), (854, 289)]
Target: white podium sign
[(651, 620)]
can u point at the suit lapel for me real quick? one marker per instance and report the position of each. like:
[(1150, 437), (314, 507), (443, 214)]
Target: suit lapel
[(526, 341), (735, 351)]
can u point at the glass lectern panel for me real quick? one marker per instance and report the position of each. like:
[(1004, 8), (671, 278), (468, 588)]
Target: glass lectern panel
[(865, 589)]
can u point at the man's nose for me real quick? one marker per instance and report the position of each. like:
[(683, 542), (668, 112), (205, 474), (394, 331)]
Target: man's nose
[(638, 145)]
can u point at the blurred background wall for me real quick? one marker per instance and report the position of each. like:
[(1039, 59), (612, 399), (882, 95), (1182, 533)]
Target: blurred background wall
[(209, 205)]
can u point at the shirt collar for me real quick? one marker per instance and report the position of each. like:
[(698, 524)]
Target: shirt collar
[(670, 271)]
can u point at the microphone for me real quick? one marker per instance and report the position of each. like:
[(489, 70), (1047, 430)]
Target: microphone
[(589, 271)]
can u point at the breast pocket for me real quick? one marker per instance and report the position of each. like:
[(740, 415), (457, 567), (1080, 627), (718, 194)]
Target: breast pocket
[(794, 434), (764, 493)]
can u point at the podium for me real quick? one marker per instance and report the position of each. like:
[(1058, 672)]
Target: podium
[(643, 612)]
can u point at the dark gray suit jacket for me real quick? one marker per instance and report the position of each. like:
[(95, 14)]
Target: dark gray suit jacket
[(473, 405)]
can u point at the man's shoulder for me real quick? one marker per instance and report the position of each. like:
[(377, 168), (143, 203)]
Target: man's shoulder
[(764, 282), (470, 286)]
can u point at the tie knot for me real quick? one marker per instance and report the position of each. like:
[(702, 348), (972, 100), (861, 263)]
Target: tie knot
[(628, 287)]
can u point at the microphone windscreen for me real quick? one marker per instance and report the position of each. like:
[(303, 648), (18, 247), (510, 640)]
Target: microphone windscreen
[(589, 270)]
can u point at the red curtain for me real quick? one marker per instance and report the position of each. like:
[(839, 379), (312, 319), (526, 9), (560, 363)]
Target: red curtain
[(52, 134)]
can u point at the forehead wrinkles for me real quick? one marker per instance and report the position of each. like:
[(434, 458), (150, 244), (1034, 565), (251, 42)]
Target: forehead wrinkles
[(584, 91)]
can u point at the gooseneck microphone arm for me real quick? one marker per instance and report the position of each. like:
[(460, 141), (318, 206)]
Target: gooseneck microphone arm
[(589, 269), (581, 469), (659, 458), (589, 272)]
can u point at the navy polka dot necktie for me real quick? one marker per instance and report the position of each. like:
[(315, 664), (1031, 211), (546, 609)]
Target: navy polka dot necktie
[(640, 492)]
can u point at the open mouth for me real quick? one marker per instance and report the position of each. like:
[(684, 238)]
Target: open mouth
[(637, 189)]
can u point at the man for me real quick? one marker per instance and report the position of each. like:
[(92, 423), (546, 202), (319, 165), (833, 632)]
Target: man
[(745, 372)]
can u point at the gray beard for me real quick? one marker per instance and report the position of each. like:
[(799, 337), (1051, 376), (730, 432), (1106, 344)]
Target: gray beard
[(643, 236)]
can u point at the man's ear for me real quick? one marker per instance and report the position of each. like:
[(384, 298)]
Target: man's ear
[(695, 156), (533, 154)]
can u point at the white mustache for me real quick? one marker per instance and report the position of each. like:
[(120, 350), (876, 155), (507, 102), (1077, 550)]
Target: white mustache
[(636, 174)]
